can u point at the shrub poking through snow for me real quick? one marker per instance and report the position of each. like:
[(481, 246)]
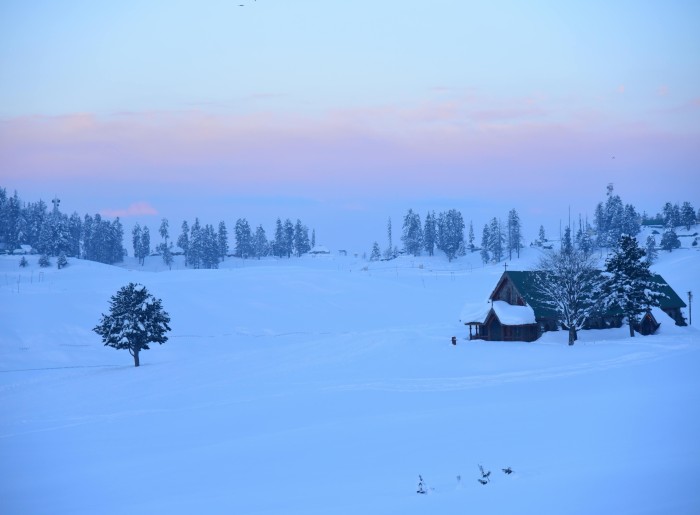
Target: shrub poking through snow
[(44, 261), (62, 261), (421, 486), (23, 262)]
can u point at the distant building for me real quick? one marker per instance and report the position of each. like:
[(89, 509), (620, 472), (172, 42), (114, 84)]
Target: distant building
[(319, 250), (517, 311)]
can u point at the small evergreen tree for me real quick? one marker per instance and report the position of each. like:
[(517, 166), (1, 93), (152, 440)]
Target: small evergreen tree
[(62, 261), (496, 240), (650, 247), (23, 262), (44, 261), (145, 248), (669, 240), (541, 238), (136, 319), (301, 239), (389, 253), (376, 253), (313, 238), (244, 239)]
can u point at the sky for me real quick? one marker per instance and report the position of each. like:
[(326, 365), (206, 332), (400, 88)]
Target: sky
[(346, 113)]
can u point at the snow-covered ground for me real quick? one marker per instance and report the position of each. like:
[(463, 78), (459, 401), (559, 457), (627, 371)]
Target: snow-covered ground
[(327, 385)]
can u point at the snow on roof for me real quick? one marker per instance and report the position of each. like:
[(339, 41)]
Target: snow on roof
[(475, 312), (319, 249), (508, 314)]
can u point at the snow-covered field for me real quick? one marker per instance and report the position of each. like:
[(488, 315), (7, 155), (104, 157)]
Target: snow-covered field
[(326, 386)]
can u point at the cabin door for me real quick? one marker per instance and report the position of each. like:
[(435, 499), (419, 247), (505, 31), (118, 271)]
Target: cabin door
[(495, 331)]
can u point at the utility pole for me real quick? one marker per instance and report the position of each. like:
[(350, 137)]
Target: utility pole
[(690, 308)]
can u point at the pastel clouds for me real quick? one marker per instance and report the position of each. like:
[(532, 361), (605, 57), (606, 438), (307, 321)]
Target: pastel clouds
[(136, 209), (459, 141)]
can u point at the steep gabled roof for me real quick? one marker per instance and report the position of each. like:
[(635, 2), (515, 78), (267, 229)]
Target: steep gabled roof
[(525, 283), (671, 300)]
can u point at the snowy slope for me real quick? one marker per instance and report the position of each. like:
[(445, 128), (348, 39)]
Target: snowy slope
[(327, 385)]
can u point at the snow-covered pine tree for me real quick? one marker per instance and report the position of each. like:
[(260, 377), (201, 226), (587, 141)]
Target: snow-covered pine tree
[(376, 253), (471, 237), (629, 284), (485, 238), (515, 238), (650, 248), (687, 215), (222, 237), (496, 240), (136, 240), (75, 229), (571, 285), (136, 319), (210, 248), (669, 240), (244, 239), (429, 233), (62, 260), (196, 246), (278, 242), (313, 238), (541, 237), (389, 253), (23, 262), (183, 241), (260, 245), (145, 248), (164, 230), (412, 236), (44, 261), (288, 238), (450, 232), (301, 239), (567, 246)]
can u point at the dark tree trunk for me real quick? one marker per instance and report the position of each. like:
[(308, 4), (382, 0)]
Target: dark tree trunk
[(631, 322), (572, 335), (136, 358)]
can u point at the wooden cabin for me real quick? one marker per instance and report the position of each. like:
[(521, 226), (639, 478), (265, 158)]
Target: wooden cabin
[(517, 311)]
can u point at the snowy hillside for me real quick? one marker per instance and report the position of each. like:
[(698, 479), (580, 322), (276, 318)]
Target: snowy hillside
[(327, 385)]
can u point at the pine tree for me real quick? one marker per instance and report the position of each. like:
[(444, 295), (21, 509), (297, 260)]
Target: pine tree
[(244, 239), (485, 238), (567, 246), (210, 248), (629, 285), (376, 253), (136, 319), (542, 238), (430, 233), (652, 253), (301, 239), (687, 215), (136, 240), (514, 233), (450, 230), (389, 253), (496, 239), (196, 246), (669, 240), (288, 238), (278, 248), (62, 261), (44, 261), (183, 241), (313, 238), (23, 262), (412, 236), (260, 245), (164, 231), (145, 248), (222, 236), (471, 236)]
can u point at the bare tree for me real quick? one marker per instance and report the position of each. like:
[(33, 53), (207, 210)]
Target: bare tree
[(570, 285)]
